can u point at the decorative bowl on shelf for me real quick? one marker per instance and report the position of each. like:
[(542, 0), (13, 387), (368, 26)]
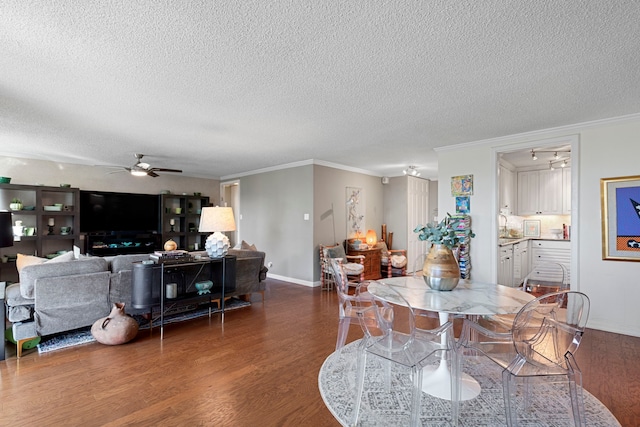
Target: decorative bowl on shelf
[(204, 287), (53, 208)]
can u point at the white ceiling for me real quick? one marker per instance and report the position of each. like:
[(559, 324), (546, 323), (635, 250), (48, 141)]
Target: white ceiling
[(218, 88)]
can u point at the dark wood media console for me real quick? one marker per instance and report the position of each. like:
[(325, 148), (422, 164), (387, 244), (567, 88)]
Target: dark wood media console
[(149, 282)]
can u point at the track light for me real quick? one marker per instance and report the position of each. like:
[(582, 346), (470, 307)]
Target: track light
[(564, 163), (411, 170), (551, 164), (555, 156), (533, 155)]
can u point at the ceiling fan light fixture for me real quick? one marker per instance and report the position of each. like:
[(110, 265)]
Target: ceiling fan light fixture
[(411, 170), (138, 173)]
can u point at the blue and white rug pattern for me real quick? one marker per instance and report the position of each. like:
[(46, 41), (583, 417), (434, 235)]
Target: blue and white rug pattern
[(83, 335), (551, 406)]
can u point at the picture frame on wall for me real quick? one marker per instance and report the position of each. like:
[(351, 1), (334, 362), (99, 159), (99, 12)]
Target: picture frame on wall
[(462, 185), (531, 228), (463, 204), (620, 210)]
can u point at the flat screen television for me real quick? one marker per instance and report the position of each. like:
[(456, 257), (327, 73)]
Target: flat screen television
[(107, 212)]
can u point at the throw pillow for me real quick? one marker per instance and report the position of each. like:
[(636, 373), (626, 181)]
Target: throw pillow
[(24, 260), (336, 252), (67, 256), (247, 246)]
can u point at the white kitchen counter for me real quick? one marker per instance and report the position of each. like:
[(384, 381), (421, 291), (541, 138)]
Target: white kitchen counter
[(511, 241)]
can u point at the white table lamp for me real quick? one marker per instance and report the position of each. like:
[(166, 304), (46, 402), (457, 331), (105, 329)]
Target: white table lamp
[(216, 220)]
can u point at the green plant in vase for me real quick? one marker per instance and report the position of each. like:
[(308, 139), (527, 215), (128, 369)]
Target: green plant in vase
[(441, 270)]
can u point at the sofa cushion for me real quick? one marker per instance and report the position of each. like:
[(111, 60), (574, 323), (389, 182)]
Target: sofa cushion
[(31, 273), (24, 260), (76, 301), (20, 313), (13, 297), (125, 262)]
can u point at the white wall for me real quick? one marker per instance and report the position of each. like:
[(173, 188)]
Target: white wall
[(607, 149)]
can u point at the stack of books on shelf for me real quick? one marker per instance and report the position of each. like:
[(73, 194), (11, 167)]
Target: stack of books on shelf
[(171, 256), (464, 257)]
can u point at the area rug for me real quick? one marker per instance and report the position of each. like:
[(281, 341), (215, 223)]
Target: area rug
[(83, 335), (551, 406)]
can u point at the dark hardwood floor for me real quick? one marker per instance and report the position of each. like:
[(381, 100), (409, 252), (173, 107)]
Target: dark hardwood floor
[(259, 369)]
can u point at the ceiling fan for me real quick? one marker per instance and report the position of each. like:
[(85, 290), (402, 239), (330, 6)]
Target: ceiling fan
[(141, 168)]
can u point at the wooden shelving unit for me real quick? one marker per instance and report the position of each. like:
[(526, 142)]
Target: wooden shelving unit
[(186, 222), (41, 243)]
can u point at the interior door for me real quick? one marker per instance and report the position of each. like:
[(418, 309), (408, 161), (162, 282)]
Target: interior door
[(418, 213), (230, 197)]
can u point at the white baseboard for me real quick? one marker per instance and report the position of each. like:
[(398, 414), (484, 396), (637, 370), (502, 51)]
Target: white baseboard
[(292, 280)]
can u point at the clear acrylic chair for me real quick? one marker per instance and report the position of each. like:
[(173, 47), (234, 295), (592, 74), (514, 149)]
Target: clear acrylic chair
[(390, 333), (542, 343), (545, 278), (349, 304)]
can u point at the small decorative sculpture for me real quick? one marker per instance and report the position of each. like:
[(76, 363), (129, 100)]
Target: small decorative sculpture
[(204, 287), (170, 245)]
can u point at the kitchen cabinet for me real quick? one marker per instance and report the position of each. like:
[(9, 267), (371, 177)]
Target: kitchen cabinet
[(506, 178), (550, 251), (505, 265), (520, 262), (540, 192)]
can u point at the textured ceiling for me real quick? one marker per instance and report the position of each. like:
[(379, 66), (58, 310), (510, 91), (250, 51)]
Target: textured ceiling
[(218, 88)]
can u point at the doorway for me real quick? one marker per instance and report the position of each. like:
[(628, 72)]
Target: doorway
[(230, 197), (548, 162)]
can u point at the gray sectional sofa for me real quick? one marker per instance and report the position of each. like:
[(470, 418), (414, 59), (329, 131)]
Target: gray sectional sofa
[(62, 296)]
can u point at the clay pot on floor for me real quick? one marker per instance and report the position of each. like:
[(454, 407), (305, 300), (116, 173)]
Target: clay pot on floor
[(117, 328)]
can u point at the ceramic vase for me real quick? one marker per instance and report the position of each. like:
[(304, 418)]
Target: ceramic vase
[(441, 271), (117, 328)]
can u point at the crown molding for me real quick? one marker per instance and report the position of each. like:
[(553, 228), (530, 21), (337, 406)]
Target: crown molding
[(543, 133), (298, 164)]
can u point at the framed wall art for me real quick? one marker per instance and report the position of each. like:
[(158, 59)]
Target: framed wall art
[(620, 200), (463, 204), (531, 228), (462, 185), (355, 211)]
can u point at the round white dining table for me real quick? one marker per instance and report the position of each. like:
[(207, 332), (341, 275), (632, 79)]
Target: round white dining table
[(469, 298)]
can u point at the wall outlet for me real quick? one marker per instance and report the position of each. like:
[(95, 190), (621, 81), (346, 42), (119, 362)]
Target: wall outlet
[(270, 264)]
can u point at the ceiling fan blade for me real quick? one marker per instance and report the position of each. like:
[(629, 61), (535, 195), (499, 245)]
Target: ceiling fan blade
[(120, 169), (165, 170), (152, 174)]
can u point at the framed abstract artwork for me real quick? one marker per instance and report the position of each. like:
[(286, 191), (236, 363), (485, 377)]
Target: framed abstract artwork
[(462, 185), (620, 200), (531, 228), (463, 204)]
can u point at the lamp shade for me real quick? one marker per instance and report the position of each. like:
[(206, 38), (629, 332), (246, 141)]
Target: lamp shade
[(216, 219), (372, 238), (6, 231)]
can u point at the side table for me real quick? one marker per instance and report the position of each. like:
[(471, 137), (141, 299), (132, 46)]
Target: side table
[(372, 261)]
